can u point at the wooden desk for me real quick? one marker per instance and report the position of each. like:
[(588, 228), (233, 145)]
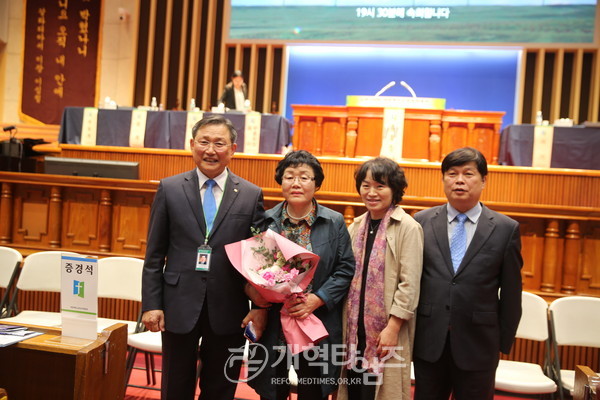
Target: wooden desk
[(429, 135), (166, 129), (52, 367), (582, 375), (574, 147)]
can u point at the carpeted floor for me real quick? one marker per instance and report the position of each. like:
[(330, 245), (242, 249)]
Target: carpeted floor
[(244, 392)]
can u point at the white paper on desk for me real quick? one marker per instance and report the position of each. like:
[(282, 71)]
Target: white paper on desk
[(89, 126), (543, 137), (79, 297), (252, 132), (137, 130), (192, 118), (392, 133), (7, 340)]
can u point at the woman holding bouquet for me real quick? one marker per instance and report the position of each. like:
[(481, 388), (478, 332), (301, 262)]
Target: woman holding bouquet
[(379, 315), (323, 231)]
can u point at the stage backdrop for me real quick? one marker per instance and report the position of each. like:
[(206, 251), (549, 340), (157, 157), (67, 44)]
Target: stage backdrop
[(60, 57), (468, 78)]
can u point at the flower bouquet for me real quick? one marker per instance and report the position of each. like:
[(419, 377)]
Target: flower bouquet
[(278, 268)]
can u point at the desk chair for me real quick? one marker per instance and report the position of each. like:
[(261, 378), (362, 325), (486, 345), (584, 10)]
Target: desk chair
[(575, 321), (522, 377), (40, 272), (10, 259)]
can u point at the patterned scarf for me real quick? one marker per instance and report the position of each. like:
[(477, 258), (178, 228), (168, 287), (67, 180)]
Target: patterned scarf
[(375, 317)]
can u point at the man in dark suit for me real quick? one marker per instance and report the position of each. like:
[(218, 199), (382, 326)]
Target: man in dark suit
[(235, 92), (190, 289), (470, 302)]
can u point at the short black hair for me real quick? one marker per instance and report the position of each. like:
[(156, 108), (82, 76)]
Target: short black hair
[(465, 155), (296, 158), (215, 119), (237, 73), (385, 171)]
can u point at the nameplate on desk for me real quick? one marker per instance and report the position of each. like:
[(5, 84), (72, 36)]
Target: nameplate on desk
[(543, 138), (79, 296), (252, 133), (137, 130), (428, 103), (89, 126), (191, 119)]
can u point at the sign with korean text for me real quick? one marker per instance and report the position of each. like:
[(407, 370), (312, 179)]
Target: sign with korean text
[(79, 296), (392, 135), (543, 138), (60, 57)]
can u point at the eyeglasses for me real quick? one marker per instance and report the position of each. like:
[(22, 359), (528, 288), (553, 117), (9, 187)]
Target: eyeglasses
[(218, 146), (303, 179)]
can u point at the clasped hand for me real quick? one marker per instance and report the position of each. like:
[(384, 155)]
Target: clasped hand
[(301, 305)]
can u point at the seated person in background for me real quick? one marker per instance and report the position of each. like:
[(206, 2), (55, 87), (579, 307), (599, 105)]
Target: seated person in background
[(235, 93)]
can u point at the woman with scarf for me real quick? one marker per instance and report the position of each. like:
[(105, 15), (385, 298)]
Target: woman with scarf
[(381, 305)]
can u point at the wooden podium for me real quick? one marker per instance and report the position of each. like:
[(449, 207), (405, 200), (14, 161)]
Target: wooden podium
[(353, 131), (50, 366)]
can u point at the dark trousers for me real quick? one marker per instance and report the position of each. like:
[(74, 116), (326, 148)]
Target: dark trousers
[(308, 387), (437, 380), (361, 385), (180, 356)]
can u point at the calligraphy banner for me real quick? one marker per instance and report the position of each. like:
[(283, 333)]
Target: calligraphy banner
[(60, 57)]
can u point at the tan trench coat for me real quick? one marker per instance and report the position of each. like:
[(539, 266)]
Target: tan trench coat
[(403, 266)]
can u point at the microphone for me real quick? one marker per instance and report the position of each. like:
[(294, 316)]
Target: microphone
[(9, 128), (412, 92), (386, 87)]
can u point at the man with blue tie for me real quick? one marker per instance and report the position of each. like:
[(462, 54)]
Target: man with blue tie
[(470, 302), (190, 290)]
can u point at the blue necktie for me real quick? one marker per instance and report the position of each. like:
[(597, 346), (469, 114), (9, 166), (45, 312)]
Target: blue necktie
[(458, 241), (209, 205)]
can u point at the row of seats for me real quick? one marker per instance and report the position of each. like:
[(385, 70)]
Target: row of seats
[(118, 278), (568, 321)]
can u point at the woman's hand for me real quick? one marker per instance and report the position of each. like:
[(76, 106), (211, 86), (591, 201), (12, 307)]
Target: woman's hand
[(388, 337), (301, 306)]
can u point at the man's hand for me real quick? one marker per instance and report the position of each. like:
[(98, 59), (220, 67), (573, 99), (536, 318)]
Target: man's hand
[(154, 320), (388, 337), (259, 321), (255, 296), (302, 306)]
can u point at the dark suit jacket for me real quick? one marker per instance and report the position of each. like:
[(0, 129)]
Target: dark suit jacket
[(177, 228), (481, 321), (228, 95)]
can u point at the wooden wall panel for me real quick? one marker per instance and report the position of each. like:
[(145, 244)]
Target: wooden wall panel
[(31, 214), (80, 219), (370, 143), (131, 213)]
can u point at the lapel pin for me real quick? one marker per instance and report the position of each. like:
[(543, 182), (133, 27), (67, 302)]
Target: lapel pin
[(235, 190)]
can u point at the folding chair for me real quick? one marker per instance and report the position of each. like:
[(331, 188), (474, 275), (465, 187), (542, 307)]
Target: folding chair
[(120, 278), (522, 377), (40, 272), (10, 259), (575, 321)]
